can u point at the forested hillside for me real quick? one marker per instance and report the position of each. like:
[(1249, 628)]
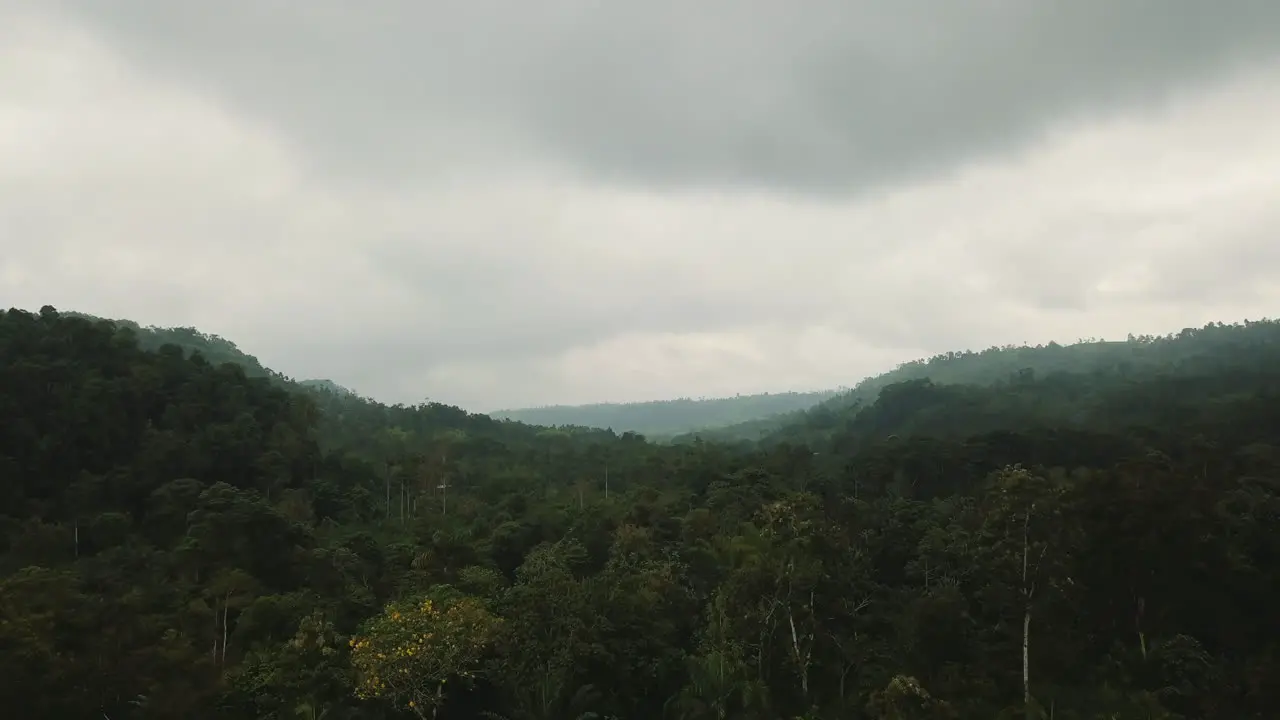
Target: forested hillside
[(1135, 355), (216, 350), (665, 418), (180, 539)]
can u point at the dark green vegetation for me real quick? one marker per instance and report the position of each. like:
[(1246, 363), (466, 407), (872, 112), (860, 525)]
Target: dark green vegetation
[(666, 418), (216, 350), (1095, 540)]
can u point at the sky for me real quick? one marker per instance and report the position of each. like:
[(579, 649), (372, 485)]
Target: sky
[(499, 203)]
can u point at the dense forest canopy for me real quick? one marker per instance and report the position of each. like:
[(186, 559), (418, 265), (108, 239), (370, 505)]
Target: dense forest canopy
[(1079, 532)]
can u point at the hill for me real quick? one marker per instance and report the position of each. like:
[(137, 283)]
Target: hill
[(1136, 354), (214, 349), (183, 539), (929, 434), (666, 418), (344, 420)]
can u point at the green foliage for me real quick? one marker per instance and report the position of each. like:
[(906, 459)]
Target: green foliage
[(415, 647), (1070, 532), (904, 699)]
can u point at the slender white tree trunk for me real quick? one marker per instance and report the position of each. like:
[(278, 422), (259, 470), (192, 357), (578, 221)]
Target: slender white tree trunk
[(1027, 591), (1026, 660), (215, 631), (225, 603)]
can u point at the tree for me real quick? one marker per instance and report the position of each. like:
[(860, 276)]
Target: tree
[(414, 648), (1029, 549), (553, 633), (904, 699)]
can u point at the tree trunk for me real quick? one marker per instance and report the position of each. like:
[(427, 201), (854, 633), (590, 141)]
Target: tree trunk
[(215, 632), (1137, 624), (225, 603), (1027, 591), (1026, 661), (802, 659)]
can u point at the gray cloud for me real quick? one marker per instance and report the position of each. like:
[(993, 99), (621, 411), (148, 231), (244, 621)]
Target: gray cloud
[(816, 94)]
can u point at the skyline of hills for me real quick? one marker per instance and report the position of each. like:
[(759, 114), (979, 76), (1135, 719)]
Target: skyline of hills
[(761, 415)]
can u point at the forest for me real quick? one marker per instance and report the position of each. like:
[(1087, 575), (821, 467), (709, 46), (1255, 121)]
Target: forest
[(1071, 532)]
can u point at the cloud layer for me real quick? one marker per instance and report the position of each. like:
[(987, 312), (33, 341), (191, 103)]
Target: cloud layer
[(492, 206), (826, 94)]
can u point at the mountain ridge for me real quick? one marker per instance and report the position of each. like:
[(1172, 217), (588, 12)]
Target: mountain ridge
[(754, 417)]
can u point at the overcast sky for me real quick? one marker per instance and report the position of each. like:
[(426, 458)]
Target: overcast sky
[(500, 203)]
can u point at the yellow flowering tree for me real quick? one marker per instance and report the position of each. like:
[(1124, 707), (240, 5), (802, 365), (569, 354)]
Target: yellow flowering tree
[(408, 654)]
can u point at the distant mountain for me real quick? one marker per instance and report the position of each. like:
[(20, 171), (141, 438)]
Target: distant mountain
[(665, 418)]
